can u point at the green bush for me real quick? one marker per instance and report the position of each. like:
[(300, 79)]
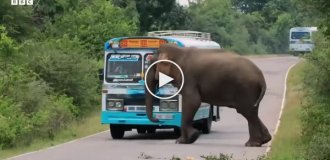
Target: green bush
[(19, 123), (316, 128), (58, 114), (318, 148), (63, 64), (6, 134), (11, 123), (316, 111), (29, 107), (33, 110)]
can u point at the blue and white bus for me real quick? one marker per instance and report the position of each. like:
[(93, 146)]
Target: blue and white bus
[(301, 39), (123, 92)]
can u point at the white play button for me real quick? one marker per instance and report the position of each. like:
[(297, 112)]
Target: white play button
[(164, 92), (164, 79)]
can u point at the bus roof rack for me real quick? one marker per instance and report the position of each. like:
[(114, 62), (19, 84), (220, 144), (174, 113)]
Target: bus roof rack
[(181, 34)]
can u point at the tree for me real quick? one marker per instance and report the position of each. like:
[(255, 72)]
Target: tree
[(17, 20), (93, 25), (320, 10), (249, 6), (156, 14), (274, 8), (227, 26)]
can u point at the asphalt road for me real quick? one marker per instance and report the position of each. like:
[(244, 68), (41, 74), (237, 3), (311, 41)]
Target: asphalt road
[(228, 135)]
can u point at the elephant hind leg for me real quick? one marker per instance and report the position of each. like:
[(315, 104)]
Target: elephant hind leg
[(266, 135), (259, 134)]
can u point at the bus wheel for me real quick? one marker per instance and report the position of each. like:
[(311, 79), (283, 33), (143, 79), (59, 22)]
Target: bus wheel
[(207, 122), (141, 130), (117, 131), (151, 130)]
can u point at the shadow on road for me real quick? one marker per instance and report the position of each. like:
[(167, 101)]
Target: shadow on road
[(159, 135)]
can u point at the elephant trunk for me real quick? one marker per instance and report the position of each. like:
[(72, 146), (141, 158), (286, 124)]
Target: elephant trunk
[(149, 99)]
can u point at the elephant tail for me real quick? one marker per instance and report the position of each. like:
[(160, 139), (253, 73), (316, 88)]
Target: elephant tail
[(261, 95)]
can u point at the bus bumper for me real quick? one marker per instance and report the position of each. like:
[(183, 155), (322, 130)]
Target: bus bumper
[(139, 118)]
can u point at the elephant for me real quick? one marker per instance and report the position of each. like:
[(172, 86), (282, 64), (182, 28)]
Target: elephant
[(213, 76)]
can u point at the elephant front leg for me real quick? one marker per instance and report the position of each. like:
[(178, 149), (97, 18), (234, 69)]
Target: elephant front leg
[(190, 106)]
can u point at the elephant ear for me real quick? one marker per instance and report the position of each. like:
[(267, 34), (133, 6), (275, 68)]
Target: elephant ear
[(170, 52)]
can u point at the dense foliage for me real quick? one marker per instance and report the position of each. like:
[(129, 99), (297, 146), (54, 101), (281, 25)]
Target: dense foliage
[(48, 64), (49, 53), (247, 27), (316, 111), (29, 107), (155, 14)]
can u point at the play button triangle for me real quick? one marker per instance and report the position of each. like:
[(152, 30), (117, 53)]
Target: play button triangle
[(164, 79)]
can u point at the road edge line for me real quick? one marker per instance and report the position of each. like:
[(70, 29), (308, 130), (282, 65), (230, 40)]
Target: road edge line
[(58, 145), (282, 107)]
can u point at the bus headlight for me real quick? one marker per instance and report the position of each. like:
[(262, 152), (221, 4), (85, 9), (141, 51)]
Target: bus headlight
[(111, 104), (115, 104), (168, 106)]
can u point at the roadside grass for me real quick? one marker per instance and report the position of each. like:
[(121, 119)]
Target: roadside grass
[(287, 144), (87, 126)]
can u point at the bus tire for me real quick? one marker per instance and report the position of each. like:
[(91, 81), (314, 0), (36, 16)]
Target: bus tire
[(117, 131), (151, 130), (207, 122), (141, 130)]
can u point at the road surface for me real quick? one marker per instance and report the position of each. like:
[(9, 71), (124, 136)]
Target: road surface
[(227, 136)]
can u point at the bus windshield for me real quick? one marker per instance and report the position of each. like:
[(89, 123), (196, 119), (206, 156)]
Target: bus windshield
[(123, 66), (300, 35)]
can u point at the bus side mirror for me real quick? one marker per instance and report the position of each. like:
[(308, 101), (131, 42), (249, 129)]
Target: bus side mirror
[(101, 74)]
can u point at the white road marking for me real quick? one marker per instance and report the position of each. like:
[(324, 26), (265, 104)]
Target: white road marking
[(282, 107), (59, 145)]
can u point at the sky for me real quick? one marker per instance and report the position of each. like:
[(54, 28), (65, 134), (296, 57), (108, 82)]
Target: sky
[(183, 2)]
